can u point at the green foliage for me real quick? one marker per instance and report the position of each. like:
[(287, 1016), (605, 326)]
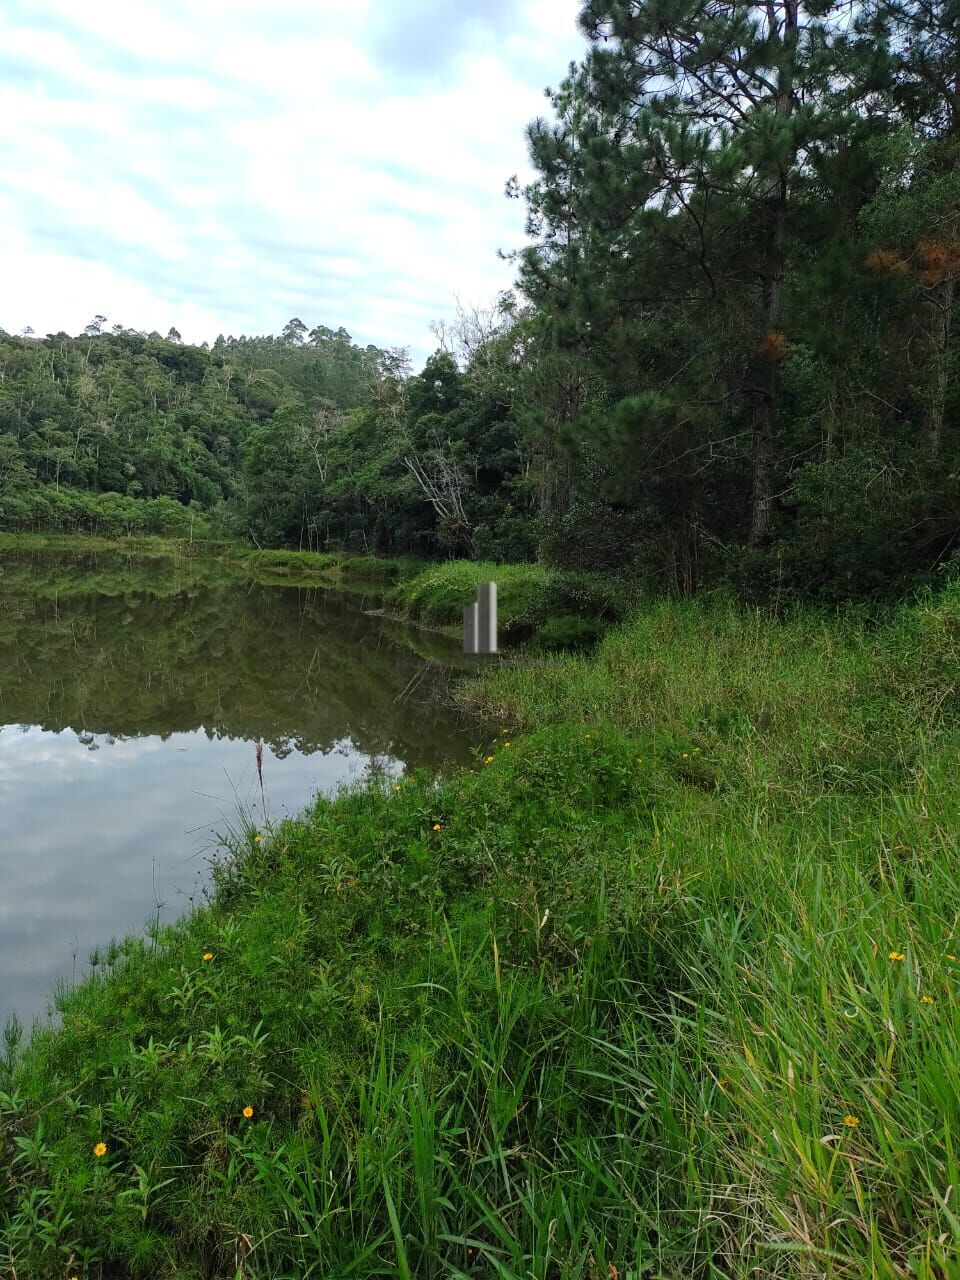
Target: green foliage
[(692, 943), (108, 515), (744, 281), (90, 426), (568, 632), (527, 594)]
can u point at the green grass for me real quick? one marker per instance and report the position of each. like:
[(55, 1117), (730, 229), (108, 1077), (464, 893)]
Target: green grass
[(630, 1010), (528, 595)]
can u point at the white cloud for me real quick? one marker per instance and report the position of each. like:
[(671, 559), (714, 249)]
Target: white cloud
[(222, 166)]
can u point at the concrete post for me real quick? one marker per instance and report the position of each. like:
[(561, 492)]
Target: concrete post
[(471, 631), (487, 617)]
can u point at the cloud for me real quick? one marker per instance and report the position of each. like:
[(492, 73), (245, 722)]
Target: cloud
[(77, 881), (424, 37), (223, 166)]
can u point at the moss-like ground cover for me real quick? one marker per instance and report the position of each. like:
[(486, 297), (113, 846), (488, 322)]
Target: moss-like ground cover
[(666, 986)]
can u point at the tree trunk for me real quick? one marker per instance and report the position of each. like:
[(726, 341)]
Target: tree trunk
[(765, 413), (771, 346), (685, 556), (761, 511), (554, 480), (554, 466), (940, 303)]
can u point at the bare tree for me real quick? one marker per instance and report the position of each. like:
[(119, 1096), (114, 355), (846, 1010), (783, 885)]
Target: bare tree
[(315, 436), (444, 483)]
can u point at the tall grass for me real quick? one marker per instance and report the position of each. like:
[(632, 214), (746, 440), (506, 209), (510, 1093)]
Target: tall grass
[(806, 703), (666, 987)]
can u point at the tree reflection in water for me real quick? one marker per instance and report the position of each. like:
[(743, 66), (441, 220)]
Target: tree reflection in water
[(133, 696)]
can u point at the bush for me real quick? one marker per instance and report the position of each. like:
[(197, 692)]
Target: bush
[(528, 595), (568, 632), (109, 515)]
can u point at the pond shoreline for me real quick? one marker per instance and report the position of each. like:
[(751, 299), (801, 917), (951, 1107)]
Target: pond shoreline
[(606, 970), (134, 695), (551, 607)]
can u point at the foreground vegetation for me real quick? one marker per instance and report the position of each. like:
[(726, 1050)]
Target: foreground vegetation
[(665, 986)]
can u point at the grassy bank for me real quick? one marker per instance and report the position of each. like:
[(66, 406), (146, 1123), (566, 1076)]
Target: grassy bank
[(555, 607), (664, 987), (321, 566)]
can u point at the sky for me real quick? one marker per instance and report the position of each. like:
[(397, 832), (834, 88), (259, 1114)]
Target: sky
[(224, 165)]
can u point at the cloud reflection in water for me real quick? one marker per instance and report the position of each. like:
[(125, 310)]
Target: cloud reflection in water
[(94, 838)]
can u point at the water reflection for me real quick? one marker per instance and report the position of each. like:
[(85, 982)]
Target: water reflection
[(131, 700)]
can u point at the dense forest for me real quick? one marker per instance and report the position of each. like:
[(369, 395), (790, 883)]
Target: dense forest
[(730, 356)]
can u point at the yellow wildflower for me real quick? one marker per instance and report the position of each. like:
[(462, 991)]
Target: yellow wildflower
[(851, 1121), (927, 1000), (100, 1149), (506, 744), (257, 838), (895, 955), (436, 826), (248, 1113), (396, 788), (685, 756), (487, 759), (208, 955), (953, 958)]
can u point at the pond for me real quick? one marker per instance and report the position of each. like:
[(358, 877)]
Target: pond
[(133, 696)]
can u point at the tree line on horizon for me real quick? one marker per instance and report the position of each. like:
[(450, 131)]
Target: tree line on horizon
[(731, 355)]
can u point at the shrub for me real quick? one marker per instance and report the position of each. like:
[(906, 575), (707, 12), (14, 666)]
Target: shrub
[(568, 632)]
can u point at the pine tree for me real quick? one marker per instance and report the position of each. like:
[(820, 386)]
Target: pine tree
[(925, 90), (683, 138)]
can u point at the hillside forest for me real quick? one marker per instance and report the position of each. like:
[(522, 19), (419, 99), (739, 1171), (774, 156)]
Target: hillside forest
[(730, 355)]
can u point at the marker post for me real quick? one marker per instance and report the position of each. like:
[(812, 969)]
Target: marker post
[(480, 621)]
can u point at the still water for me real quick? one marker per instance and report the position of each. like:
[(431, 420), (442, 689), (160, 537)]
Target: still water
[(133, 694)]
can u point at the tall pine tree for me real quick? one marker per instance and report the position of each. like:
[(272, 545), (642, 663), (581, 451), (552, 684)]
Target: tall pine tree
[(682, 141)]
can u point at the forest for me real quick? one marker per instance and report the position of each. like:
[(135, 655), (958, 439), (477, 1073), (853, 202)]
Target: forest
[(730, 355)]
